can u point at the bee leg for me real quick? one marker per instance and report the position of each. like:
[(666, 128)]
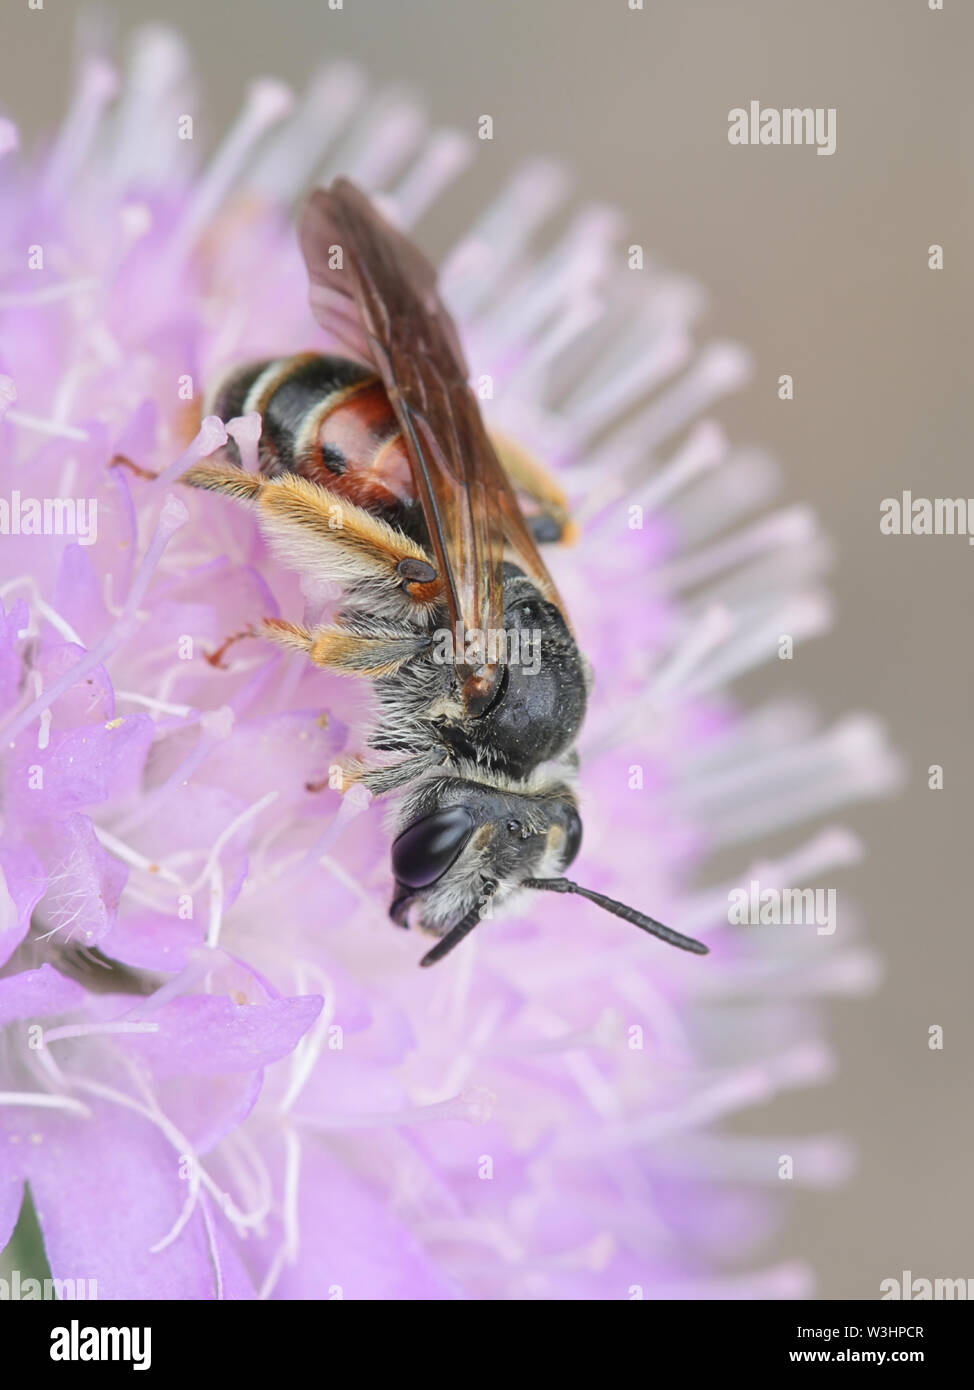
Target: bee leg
[(215, 658), (123, 461), (347, 653), (226, 478), (552, 522), (321, 533), (379, 780), (392, 776)]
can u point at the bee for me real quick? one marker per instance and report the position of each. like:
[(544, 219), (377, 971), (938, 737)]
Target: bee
[(376, 471)]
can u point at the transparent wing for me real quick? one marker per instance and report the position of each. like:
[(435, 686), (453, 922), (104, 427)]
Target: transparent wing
[(377, 295)]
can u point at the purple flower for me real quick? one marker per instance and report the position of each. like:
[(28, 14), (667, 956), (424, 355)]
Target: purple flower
[(221, 1072)]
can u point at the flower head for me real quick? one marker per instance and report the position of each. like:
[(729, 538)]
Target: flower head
[(221, 1073)]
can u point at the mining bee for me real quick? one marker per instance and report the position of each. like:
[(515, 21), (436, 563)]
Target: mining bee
[(376, 471)]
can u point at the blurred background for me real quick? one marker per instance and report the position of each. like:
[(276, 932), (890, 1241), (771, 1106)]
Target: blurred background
[(819, 266)]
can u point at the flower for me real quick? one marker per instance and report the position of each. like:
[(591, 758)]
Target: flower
[(222, 1073)]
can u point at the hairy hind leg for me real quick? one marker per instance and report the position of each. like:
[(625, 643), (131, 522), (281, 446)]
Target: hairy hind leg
[(348, 653), (323, 534)]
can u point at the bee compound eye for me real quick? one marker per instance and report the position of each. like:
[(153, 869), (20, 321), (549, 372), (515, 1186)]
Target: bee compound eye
[(424, 851), (573, 837)]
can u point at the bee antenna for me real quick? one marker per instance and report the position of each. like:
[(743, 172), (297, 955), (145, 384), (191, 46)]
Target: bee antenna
[(628, 914), (462, 928)]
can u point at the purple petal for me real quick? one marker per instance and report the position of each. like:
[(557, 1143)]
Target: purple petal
[(206, 1108), (352, 1242), (205, 1035), (106, 1190), (11, 623), (84, 884), (22, 882), (154, 941), (91, 700), (80, 767), (37, 993), (78, 595)]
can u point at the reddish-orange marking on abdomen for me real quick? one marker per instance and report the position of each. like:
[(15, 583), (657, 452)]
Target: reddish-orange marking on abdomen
[(374, 469)]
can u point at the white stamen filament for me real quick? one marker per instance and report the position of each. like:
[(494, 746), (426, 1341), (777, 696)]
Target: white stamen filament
[(41, 426), (38, 1100), (442, 158), (286, 165), (97, 85), (86, 1030), (267, 102), (49, 294)]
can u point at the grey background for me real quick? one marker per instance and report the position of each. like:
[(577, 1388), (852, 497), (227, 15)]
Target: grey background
[(819, 266)]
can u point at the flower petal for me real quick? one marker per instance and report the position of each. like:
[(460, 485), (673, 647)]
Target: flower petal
[(38, 993), (22, 881), (205, 1034), (108, 1189)]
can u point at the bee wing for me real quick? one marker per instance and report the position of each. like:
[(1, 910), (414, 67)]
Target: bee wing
[(377, 294)]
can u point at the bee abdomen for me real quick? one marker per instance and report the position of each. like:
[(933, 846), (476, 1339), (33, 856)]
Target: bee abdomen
[(287, 392), (326, 418)]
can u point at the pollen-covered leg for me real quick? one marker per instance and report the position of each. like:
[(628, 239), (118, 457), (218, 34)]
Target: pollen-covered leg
[(347, 653), (552, 522), (323, 534), (224, 477)]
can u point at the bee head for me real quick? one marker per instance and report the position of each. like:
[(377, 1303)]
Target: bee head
[(465, 847)]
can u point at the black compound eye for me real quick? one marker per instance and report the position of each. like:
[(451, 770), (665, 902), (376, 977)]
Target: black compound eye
[(427, 848), (573, 837)]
